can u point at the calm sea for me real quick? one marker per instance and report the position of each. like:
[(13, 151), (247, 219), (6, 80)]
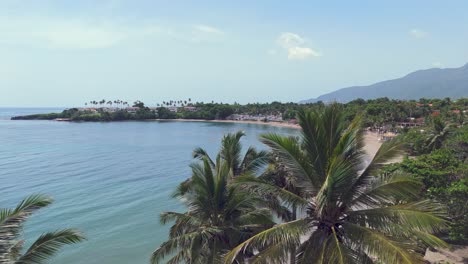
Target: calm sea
[(110, 180)]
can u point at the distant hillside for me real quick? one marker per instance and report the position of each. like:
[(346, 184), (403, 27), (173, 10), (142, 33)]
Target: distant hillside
[(431, 83)]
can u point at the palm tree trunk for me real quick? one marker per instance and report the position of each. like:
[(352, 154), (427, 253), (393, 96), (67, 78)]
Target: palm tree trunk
[(213, 252)]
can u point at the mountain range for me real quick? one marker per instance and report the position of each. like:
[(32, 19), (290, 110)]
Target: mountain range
[(430, 83)]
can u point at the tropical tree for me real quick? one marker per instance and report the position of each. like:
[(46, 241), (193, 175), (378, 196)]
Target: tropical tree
[(46, 246), (440, 132), (231, 152), (219, 217), (350, 213)]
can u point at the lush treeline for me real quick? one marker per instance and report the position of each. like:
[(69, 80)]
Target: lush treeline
[(440, 160), (376, 111)]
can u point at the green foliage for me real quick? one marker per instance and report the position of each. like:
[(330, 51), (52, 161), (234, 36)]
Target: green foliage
[(209, 111), (46, 246), (376, 112), (145, 113), (164, 113), (415, 141), (444, 174), (350, 213), (219, 217), (435, 169)]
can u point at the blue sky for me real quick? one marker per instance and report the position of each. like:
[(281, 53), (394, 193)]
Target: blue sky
[(64, 53)]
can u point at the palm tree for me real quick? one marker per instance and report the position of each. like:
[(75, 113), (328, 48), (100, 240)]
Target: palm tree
[(231, 152), (47, 245), (219, 217), (440, 132), (350, 214)]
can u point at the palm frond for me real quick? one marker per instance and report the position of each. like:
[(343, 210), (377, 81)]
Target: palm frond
[(291, 155), (24, 209), (274, 254), (429, 240), (48, 244), (12, 220), (200, 153), (380, 246), (255, 160), (261, 216), (340, 176), (321, 132), (387, 151), (424, 216), (182, 242), (231, 150), (388, 189), (285, 233), (256, 185)]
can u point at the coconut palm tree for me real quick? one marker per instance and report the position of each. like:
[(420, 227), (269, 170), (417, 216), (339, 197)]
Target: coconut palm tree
[(46, 246), (350, 214), (219, 217), (231, 152), (440, 132)]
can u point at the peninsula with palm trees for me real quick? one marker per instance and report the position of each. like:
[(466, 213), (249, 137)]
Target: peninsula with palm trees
[(378, 112)]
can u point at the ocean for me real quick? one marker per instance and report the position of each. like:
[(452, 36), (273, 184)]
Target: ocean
[(109, 180)]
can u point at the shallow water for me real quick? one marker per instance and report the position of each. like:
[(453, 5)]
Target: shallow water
[(110, 180)]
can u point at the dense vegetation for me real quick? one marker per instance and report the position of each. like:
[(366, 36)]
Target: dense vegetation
[(333, 208), (377, 112), (443, 168)]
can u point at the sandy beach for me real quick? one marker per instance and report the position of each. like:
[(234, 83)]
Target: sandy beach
[(271, 123)]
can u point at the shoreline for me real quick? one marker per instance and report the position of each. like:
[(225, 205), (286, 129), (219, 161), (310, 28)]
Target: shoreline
[(270, 123)]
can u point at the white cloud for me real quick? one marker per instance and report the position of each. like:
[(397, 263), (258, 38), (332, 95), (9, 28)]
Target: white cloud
[(289, 40), (204, 33), (418, 33), (299, 53), (295, 47), (437, 64), (208, 29)]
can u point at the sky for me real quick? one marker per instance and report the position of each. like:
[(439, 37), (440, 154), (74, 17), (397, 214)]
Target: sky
[(68, 52)]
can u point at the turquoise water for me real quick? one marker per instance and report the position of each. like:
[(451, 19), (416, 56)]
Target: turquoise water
[(110, 180)]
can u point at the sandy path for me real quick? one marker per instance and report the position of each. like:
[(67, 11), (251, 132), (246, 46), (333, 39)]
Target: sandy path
[(372, 144), (458, 255)]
